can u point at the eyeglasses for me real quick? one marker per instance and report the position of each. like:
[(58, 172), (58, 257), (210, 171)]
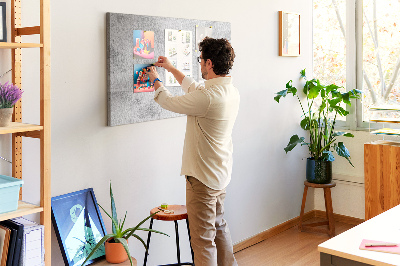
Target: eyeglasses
[(199, 59)]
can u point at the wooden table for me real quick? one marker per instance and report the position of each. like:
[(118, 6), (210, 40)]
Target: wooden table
[(344, 248), (105, 263)]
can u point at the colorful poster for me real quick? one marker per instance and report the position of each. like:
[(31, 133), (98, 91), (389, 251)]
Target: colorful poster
[(143, 42), (141, 81), (178, 49)]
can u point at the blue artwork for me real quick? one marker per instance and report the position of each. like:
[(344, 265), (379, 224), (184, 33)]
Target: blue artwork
[(78, 225)]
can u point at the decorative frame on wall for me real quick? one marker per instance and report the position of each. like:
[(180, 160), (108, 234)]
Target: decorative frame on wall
[(3, 22), (124, 106), (78, 226), (289, 34)]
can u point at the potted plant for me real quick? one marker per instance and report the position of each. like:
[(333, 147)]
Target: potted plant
[(324, 105), (116, 243), (9, 95)]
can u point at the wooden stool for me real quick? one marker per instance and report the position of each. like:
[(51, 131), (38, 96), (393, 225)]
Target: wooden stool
[(328, 207), (180, 213)]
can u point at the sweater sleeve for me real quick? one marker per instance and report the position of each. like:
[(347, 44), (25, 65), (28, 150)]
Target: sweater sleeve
[(195, 103)]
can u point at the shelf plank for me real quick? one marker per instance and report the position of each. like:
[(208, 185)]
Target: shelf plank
[(16, 127), (24, 208), (386, 120), (10, 45)]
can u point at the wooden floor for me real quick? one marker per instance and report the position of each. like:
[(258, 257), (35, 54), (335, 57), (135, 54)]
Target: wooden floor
[(290, 247)]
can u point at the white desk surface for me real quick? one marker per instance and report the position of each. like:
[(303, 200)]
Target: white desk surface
[(384, 227)]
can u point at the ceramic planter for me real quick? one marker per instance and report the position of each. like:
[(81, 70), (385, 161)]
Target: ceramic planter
[(115, 252), (5, 116), (319, 172)]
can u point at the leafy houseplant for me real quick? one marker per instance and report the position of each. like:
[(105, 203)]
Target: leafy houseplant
[(321, 122), (9, 95), (119, 235)]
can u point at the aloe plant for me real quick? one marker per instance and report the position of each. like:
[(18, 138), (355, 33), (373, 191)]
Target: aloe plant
[(119, 234), (320, 124)]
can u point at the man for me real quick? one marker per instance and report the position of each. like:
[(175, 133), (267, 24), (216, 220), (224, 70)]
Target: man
[(207, 155)]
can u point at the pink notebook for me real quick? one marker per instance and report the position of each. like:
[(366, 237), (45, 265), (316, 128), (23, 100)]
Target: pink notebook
[(393, 249)]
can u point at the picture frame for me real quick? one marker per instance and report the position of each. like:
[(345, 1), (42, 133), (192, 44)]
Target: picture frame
[(78, 226), (289, 34), (3, 22)]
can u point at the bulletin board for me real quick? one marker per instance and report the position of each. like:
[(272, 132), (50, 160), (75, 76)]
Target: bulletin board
[(125, 106)]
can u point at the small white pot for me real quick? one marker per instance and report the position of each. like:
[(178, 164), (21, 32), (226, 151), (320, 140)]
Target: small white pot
[(5, 116)]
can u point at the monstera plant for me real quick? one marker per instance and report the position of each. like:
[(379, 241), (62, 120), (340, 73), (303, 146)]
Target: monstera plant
[(324, 103)]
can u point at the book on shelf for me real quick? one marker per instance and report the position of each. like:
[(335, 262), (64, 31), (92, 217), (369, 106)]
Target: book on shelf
[(4, 243), (13, 260), (11, 245), (32, 250)]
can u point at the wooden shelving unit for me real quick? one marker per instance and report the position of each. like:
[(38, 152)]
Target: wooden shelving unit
[(42, 131)]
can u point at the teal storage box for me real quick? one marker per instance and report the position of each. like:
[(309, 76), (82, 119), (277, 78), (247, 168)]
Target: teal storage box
[(9, 193)]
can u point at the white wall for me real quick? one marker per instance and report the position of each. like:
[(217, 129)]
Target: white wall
[(143, 160)]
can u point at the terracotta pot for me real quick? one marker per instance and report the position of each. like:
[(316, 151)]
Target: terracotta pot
[(5, 116), (115, 252)]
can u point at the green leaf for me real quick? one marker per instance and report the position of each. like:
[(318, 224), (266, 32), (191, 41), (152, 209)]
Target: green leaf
[(327, 156), (294, 140), (349, 135), (313, 92), (338, 133), (113, 211), (343, 151), (137, 226), (115, 223), (101, 242), (346, 98), (333, 102), (152, 230), (303, 73), (305, 123), (331, 87), (126, 247), (140, 239), (280, 94)]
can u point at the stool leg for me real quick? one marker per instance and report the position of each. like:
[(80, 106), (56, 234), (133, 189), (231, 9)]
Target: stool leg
[(178, 252), (329, 211), (303, 204), (148, 242), (190, 240)]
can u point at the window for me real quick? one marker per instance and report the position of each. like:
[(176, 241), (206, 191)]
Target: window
[(364, 54)]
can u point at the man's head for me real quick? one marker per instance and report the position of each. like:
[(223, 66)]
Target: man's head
[(217, 57)]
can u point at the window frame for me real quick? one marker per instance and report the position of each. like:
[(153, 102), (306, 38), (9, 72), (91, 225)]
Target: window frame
[(354, 70)]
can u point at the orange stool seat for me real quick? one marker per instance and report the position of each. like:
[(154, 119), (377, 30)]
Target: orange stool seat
[(180, 213)]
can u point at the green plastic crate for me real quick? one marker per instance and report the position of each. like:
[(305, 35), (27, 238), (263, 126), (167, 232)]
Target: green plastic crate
[(9, 193)]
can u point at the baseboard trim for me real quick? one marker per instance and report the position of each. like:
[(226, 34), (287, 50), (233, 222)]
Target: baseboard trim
[(271, 232), (340, 218), (289, 224)]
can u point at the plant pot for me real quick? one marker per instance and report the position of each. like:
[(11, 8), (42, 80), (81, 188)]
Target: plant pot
[(319, 172), (5, 116), (115, 252)]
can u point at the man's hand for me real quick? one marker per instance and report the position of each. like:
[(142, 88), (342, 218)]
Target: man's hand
[(152, 72), (165, 63)]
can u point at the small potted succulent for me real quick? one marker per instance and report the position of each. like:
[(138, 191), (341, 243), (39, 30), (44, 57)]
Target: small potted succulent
[(9, 95), (116, 243)]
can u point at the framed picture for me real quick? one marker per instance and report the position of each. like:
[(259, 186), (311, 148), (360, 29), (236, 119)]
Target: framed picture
[(78, 226), (3, 27), (289, 34)]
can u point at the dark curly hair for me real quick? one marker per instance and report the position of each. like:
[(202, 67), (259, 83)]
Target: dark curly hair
[(220, 52)]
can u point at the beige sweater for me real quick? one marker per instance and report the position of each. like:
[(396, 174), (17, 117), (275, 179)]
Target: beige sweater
[(211, 113)]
